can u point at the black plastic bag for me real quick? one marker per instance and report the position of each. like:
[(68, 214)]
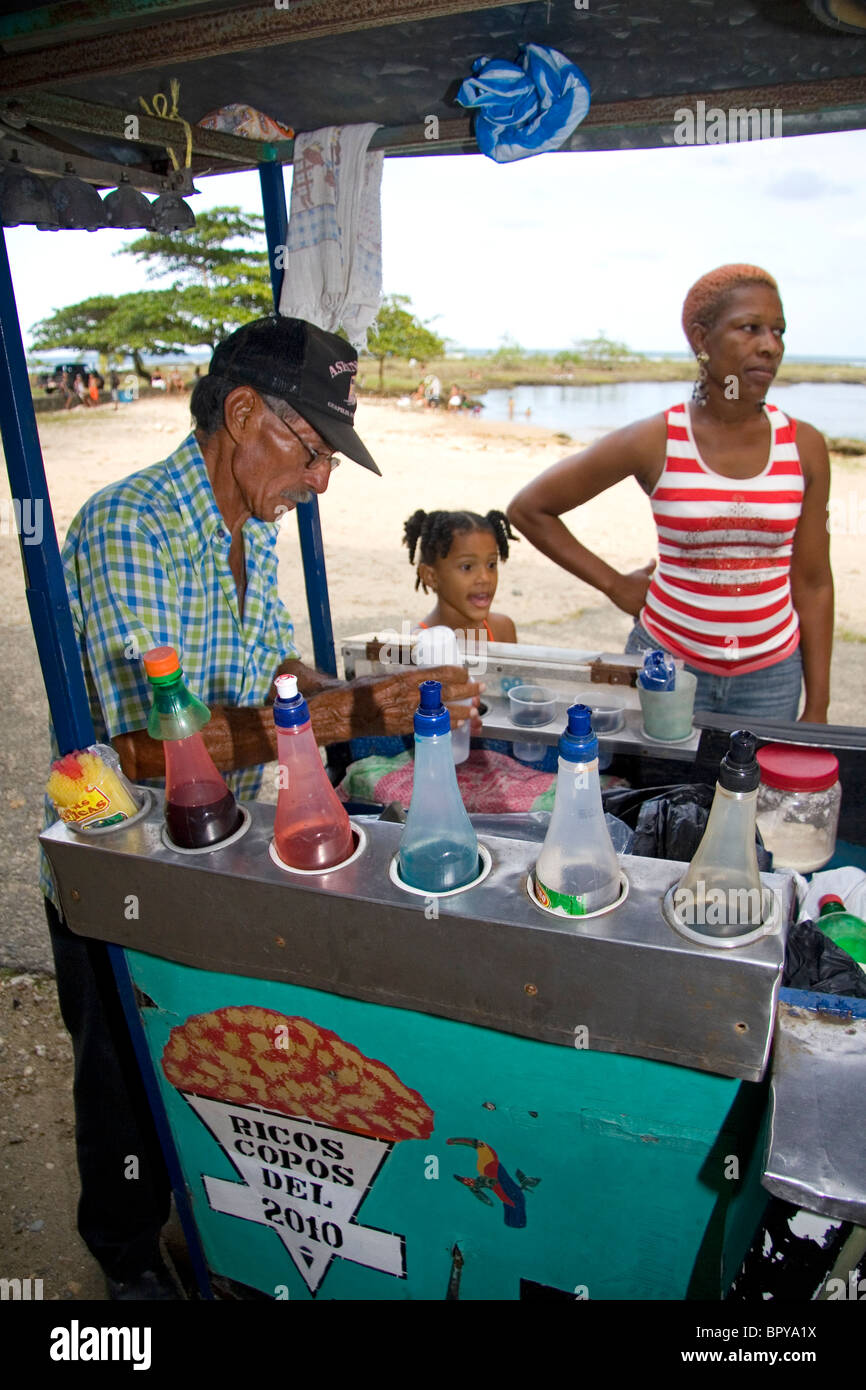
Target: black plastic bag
[(813, 961), (669, 822)]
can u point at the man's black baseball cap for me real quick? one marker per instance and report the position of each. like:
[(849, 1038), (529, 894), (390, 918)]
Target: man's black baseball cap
[(312, 370)]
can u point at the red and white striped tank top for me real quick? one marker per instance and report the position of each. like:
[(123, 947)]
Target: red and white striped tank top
[(720, 596)]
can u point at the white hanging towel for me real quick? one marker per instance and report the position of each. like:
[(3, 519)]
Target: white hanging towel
[(333, 269)]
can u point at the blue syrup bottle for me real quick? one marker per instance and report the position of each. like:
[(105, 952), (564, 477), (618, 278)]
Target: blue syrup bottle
[(439, 848)]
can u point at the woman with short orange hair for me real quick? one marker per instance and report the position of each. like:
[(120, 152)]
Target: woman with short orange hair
[(742, 590)]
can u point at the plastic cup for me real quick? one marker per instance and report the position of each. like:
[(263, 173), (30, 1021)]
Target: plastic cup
[(529, 752), (438, 646), (531, 705), (667, 714)]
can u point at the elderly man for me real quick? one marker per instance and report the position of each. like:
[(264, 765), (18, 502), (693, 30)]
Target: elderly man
[(183, 554)]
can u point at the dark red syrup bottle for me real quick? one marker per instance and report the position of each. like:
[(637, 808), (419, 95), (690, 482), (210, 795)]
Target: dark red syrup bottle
[(199, 808)]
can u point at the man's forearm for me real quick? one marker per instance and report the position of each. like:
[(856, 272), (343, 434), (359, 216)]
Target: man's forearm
[(246, 737), (235, 738), (310, 681)]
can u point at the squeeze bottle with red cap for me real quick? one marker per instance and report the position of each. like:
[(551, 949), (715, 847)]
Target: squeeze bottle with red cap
[(311, 829), (199, 808)]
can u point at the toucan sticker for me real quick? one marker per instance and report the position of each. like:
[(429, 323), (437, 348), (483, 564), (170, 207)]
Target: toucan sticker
[(493, 1176), (306, 1120)]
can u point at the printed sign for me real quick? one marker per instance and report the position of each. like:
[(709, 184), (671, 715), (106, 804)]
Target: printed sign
[(304, 1180), (306, 1120)]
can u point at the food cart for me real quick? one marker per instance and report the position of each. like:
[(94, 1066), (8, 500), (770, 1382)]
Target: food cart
[(364, 1093)]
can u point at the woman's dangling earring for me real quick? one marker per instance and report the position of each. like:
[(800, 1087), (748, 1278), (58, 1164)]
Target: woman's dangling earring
[(699, 391)]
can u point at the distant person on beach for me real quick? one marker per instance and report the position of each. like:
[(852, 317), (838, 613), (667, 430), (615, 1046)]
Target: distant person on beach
[(114, 387), (743, 591), (157, 381), (432, 390), (456, 398), (511, 407), (459, 555), (93, 388), (79, 386), (67, 388)]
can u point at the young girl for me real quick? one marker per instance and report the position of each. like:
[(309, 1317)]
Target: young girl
[(459, 554)]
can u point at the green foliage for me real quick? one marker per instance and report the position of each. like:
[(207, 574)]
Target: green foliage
[(509, 353), (396, 332), (201, 254), (218, 286), (221, 284), (598, 350), (145, 321)]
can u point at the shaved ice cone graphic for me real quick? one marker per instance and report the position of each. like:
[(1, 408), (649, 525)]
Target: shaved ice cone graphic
[(306, 1120)]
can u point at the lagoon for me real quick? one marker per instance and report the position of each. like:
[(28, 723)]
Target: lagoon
[(587, 412)]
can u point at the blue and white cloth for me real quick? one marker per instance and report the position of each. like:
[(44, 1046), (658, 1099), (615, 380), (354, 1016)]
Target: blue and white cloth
[(527, 107)]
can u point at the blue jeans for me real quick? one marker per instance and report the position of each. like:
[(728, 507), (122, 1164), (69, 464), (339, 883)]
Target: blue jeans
[(771, 693)]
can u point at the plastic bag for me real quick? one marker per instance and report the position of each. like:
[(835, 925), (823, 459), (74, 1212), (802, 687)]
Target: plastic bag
[(813, 961), (669, 822)]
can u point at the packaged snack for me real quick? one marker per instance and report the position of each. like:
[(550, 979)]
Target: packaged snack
[(88, 788)]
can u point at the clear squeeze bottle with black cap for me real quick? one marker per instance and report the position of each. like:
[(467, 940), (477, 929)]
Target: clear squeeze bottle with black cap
[(720, 892), (577, 871), (439, 847)]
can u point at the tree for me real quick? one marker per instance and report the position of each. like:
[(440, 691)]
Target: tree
[(599, 350), (218, 286), (126, 326), (509, 354), (396, 332), (219, 283)]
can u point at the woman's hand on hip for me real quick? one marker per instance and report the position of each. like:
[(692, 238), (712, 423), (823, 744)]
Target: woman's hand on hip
[(628, 591)]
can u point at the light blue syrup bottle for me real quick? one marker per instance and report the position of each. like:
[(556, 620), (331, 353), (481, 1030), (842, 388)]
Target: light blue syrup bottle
[(439, 848)]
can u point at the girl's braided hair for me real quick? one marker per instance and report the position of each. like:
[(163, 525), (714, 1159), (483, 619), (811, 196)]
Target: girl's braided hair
[(432, 533)]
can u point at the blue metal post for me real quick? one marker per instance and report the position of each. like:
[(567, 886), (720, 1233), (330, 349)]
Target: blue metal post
[(43, 573), (309, 524)]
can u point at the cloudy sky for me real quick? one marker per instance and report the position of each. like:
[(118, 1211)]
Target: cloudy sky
[(556, 247)]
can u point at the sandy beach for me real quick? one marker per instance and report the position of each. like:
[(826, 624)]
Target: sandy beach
[(431, 459)]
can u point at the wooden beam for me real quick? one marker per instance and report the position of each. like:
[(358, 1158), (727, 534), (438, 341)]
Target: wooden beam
[(68, 17), (102, 173), (68, 113), (238, 30)]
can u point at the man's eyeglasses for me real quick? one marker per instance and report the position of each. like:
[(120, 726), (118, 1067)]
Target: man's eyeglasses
[(315, 454)]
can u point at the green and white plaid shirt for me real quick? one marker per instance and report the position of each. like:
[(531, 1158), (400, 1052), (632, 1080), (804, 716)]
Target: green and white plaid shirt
[(146, 563)]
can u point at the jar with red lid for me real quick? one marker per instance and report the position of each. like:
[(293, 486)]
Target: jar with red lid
[(798, 805)]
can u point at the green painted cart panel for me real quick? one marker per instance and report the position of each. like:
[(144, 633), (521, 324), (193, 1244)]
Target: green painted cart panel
[(623, 1169)]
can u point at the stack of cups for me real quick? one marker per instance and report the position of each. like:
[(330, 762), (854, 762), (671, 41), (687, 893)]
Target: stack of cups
[(438, 646)]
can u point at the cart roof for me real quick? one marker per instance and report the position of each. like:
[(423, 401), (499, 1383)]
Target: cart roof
[(70, 72)]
